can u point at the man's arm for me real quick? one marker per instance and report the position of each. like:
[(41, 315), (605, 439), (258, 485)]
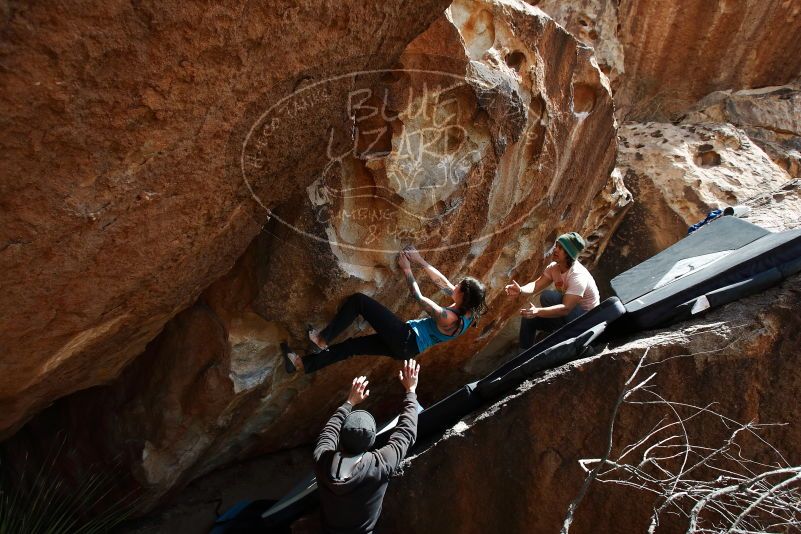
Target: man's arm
[(537, 286), (329, 437), (532, 288), (559, 310), (575, 287), (405, 432)]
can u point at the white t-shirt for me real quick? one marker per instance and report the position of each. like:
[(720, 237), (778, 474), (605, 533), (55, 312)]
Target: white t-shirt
[(576, 281)]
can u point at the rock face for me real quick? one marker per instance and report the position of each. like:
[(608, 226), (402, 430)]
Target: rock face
[(769, 116), (662, 57), (122, 196), (691, 63), (185, 188), (514, 467), (609, 209), (492, 133), (596, 23), (504, 104)]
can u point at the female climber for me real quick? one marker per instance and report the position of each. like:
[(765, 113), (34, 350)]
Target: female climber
[(393, 337)]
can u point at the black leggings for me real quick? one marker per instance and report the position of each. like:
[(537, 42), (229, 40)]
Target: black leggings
[(393, 337)]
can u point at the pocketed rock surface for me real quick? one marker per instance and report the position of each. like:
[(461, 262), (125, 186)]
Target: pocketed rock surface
[(768, 115), (678, 174), (491, 133)]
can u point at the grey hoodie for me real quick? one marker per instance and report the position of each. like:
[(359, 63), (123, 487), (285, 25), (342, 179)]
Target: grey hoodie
[(353, 506)]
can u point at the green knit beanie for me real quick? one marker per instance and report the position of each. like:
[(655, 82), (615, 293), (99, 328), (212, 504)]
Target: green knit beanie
[(572, 242)]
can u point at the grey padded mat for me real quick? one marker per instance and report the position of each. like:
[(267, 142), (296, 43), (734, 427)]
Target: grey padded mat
[(696, 252)]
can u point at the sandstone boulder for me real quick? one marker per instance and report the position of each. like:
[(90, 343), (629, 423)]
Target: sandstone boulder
[(122, 197), (662, 57), (492, 133)]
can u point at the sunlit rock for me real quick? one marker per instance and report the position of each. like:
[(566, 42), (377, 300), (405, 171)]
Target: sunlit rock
[(677, 175), (491, 134)]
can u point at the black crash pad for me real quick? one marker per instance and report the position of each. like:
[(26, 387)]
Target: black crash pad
[(606, 312), (694, 252), (551, 357), (673, 284)]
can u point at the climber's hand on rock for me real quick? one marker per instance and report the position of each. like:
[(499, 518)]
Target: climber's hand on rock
[(403, 261), (413, 255)]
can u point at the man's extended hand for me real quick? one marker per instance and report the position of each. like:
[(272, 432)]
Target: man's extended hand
[(358, 390), (408, 375), (513, 289), (530, 312)]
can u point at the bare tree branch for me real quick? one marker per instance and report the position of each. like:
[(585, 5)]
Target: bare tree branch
[(744, 485)]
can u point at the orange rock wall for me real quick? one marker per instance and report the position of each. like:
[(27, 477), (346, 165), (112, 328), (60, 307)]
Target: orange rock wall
[(491, 133), (662, 57), (121, 196)]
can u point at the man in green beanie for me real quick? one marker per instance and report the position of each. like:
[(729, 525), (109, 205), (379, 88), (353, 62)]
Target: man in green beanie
[(575, 291)]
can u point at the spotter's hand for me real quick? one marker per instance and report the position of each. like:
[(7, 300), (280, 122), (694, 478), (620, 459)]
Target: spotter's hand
[(530, 312), (513, 289), (358, 390)]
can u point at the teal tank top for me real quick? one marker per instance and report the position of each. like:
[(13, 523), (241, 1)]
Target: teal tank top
[(428, 334)]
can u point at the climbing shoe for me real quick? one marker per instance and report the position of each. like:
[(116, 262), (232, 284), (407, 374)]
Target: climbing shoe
[(288, 365)]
